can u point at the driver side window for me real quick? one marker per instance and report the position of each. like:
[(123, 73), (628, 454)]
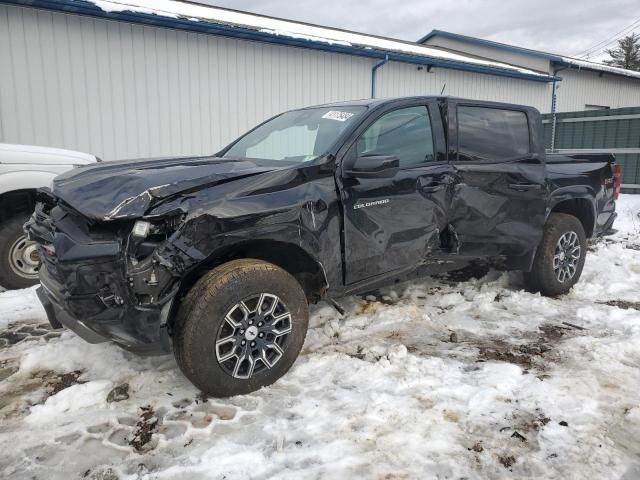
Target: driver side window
[(405, 133)]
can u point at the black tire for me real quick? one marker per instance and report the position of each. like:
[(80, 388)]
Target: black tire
[(201, 319), (12, 237), (543, 277)]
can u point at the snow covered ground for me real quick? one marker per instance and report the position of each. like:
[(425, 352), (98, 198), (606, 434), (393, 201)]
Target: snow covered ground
[(440, 378)]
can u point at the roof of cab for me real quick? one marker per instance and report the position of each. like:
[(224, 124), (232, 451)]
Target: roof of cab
[(373, 102)]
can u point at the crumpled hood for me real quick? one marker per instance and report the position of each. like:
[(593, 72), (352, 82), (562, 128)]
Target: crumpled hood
[(128, 189)]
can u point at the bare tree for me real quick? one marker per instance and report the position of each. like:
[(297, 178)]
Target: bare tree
[(627, 54)]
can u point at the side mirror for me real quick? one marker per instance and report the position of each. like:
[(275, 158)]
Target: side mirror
[(374, 166)]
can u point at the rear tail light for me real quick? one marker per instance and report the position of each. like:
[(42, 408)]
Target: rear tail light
[(617, 173)]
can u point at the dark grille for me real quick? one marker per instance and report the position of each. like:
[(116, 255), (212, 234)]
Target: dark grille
[(56, 226), (51, 263), (42, 230)]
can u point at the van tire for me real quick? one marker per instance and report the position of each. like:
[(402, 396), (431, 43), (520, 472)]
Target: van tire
[(13, 241)]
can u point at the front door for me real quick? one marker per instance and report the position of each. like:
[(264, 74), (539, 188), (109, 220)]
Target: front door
[(392, 223), (500, 194)]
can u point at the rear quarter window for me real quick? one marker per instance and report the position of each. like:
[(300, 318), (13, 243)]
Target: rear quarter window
[(491, 134)]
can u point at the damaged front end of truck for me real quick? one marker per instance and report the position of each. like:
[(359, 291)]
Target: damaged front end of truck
[(118, 251), (109, 282)]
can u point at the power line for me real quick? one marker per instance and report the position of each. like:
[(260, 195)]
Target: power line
[(610, 39), (607, 41), (602, 49)]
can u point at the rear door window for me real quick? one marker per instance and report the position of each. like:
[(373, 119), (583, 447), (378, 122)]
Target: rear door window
[(491, 134)]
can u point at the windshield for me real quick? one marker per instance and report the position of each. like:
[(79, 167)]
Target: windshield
[(296, 136)]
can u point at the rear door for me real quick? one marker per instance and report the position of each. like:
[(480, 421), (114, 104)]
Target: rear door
[(500, 195), (393, 223)]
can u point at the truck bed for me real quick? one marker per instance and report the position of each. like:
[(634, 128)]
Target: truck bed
[(579, 156), (595, 172)]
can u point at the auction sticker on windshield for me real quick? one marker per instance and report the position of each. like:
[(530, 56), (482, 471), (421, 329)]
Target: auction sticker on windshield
[(337, 115)]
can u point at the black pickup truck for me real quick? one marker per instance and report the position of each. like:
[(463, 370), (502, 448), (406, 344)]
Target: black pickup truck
[(217, 258)]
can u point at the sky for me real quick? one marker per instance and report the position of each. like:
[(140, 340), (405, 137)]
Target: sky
[(567, 27)]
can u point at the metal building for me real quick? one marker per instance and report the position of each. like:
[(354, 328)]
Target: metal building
[(121, 80), (581, 85)]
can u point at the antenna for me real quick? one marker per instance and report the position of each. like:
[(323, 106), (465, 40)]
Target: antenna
[(443, 87)]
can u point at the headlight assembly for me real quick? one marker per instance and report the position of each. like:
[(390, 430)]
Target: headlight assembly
[(156, 227), (141, 229)]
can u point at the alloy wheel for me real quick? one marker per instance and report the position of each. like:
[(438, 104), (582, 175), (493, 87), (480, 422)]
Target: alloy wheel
[(253, 336), (566, 256)]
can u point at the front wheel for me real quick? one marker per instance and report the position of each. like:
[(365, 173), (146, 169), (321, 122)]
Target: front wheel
[(19, 259), (560, 256), (240, 327)]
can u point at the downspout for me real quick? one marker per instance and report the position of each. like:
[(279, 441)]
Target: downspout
[(553, 115), (373, 75), (554, 107)]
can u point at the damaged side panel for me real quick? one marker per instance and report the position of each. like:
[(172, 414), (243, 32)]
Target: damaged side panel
[(500, 197), (293, 208), (393, 224), (491, 216)]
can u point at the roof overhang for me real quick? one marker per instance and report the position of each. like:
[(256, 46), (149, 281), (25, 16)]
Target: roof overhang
[(557, 60), (489, 43), (89, 8)]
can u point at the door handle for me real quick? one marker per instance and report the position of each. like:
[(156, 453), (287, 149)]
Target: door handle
[(524, 187), (431, 188)]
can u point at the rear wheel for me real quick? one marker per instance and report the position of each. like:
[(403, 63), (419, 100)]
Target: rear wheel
[(19, 259), (240, 328), (560, 256)]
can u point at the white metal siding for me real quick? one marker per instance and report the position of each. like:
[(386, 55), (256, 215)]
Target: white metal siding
[(583, 87), (120, 90)]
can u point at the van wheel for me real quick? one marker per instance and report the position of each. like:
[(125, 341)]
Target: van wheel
[(240, 327), (560, 256), (19, 259)]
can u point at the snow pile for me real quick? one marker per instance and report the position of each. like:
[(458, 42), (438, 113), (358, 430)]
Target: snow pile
[(628, 221), (19, 305), (69, 400), (439, 378), (300, 31)]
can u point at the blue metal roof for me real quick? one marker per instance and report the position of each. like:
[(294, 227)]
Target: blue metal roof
[(489, 43), (83, 7)]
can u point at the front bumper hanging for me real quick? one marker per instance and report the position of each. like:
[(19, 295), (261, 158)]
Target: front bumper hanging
[(85, 287)]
